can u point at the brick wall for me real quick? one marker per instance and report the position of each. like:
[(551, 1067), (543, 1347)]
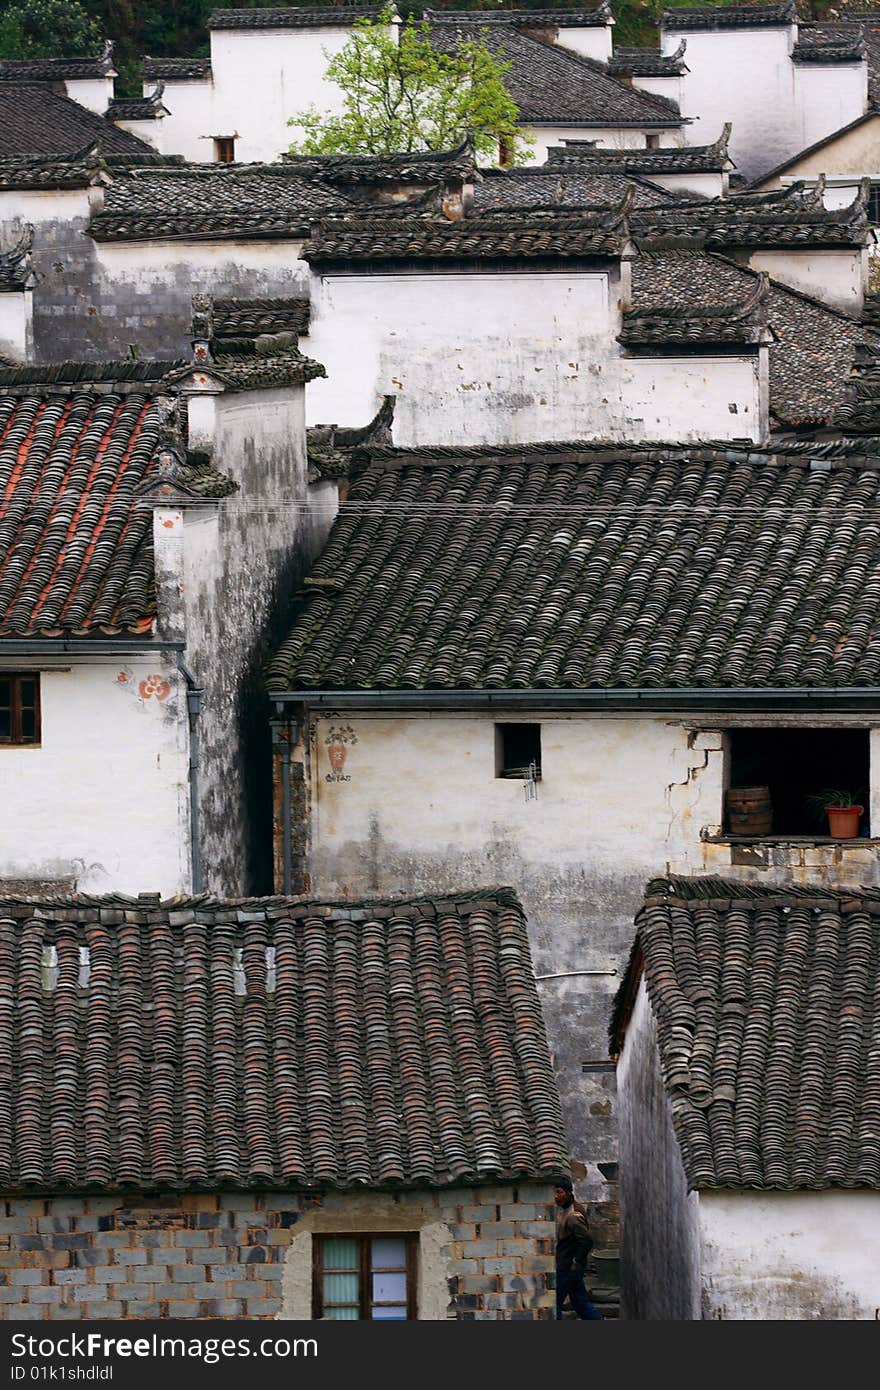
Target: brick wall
[(484, 1252)]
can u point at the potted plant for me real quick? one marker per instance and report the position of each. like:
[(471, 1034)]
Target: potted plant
[(842, 810)]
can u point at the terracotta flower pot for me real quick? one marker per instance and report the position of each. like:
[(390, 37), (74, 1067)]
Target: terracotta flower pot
[(843, 821)]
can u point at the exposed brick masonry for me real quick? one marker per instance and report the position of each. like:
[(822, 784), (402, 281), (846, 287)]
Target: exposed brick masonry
[(212, 1256)]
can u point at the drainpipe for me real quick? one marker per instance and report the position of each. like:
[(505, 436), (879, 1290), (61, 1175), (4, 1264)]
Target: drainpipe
[(284, 736), (194, 696)]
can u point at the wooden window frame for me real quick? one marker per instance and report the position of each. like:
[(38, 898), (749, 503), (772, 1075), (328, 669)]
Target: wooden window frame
[(15, 739), (222, 143), (363, 1238)]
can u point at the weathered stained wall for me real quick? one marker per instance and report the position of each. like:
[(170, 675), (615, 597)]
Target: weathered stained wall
[(238, 563), (511, 357), (660, 1233), (777, 107), (17, 325), (790, 1255), (104, 798), (485, 1253), (94, 301)]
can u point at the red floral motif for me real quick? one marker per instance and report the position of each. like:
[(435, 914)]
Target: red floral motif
[(122, 678), (154, 685)]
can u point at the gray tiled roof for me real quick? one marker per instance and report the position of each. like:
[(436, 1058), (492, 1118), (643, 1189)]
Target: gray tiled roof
[(293, 16), (740, 320), (559, 19), (381, 1044), (213, 201), (648, 62), (175, 69), (495, 232), (767, 1015), (537, 186), (552, 85), (675, 159), (814, 347), (730, 16), (788, 217), (539, 567), (15, 263), (829, 43), (36, 120), (57, 69), (419, 166)]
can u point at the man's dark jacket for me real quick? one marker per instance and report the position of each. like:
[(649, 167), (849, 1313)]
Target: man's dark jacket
[(573, 1241)]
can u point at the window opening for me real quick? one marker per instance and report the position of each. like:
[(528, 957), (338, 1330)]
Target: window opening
[(224, 149), (800, 768), (19, 709), (518, 751), (365, 1278)]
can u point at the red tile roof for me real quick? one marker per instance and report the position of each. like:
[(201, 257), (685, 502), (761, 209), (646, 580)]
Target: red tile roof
[(268, 1041), (76, 556)]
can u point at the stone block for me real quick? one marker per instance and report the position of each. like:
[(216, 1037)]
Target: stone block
[(239, 1201), (131, 1257), (26, 1276), (517, 1247), (524, 1211), (187, 1274), (496, 1230), (261, 1307), (71, 1276), (476, 1249), (141, 1308), (193, 1237), (183, 1308), (483, 1213), (464, 1230), (110, 1308), (504, 1265), (539, 1192), (709, 741), (478, 1283), (220, 1308), (92, 1293), (148, 1274)]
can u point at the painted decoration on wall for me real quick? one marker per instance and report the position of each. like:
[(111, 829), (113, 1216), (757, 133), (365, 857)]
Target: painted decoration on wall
[(337, 742)]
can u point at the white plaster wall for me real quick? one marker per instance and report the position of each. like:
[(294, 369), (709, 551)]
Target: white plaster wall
[(837, 277), (105, 797), (150, 131), (745, 76), (95, 93), (828, 98), (43, 205), (512, 357), (205, 265), (263, 77), (669, 87), (189, 127), (790, 1255), (660, 1232), (17, 325), (591, 41)]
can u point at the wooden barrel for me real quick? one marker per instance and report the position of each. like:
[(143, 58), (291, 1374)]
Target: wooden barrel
[(749, 811)]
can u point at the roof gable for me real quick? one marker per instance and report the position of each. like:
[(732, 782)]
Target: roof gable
[(280, 1041), (766, 1006), (36, 120)]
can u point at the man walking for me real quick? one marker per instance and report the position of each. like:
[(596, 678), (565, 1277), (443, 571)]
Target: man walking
[(573, 1245)]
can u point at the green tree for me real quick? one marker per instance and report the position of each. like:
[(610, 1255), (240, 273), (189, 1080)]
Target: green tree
[(404, 96), (47, 29)]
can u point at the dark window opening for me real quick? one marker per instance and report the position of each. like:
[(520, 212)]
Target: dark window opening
[(364, 1278), (224, 149), (19, 709), (517, 750), (652, 141), (800, 767), (874, 204)]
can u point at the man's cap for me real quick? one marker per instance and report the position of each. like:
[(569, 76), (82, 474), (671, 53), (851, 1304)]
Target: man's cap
[(565, 1184)]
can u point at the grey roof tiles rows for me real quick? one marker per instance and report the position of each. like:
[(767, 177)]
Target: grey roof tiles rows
[(57, 69), (35, 120), (768, 1017), (648, 62), (176, 69), (396, 1043), (552, 85), (538, 17), (729, 16), (293, 16), (673, 159), (594, 566)]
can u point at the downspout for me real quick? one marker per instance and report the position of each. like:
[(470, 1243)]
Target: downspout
[(194, 696), (284, 735)]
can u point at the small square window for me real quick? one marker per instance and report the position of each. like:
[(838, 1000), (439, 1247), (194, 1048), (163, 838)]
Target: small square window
[(518, 750), (19, 709), (365, 1278), (224, 149)]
